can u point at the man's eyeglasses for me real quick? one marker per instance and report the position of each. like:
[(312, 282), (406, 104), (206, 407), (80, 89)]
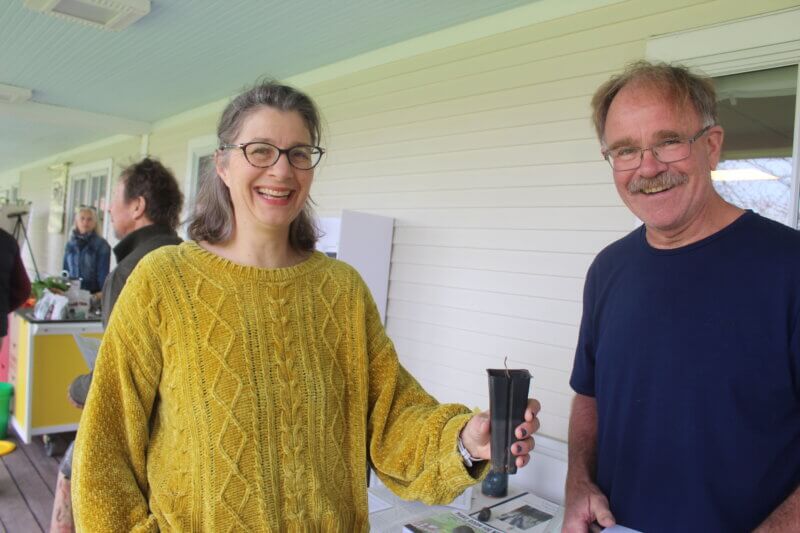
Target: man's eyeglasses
[(668, 151), (262, 154)]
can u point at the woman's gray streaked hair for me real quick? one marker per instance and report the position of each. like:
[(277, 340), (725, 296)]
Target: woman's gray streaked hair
[(213, 218), (677, 82)]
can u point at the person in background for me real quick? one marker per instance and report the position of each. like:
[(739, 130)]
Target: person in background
[(145, 209), (245, 380), (15, 287), (87, 255), (687, 369)]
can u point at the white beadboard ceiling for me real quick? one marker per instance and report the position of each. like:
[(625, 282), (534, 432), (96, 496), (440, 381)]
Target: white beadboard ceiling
[(89, 84)]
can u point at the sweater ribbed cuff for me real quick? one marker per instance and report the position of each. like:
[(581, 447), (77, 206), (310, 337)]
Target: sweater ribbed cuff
[(455, 473)]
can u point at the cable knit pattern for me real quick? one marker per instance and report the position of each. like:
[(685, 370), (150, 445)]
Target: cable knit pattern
[(233, 398)]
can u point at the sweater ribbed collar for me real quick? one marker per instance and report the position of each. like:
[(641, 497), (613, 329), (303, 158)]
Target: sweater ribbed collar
[(195, 253)]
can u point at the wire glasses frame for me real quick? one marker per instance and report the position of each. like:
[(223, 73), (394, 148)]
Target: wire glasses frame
[(668, 151), (262, 154)]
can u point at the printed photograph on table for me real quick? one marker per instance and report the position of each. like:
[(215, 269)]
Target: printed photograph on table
[(526, 513), (525, 517)]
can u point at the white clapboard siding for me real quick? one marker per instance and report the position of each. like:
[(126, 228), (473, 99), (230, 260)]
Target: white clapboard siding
[(550, 152), (456, 359), (499, 304), (476, 382), (484, 153), (544, 332), (488, 345), (594, 195), (543, 263), (486, 114), (517, 105), (589, 242), (594, 172), (555, 218), (480, 139), (511, 283)]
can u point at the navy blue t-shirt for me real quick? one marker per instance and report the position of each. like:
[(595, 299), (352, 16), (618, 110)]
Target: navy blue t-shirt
[(693, 357)]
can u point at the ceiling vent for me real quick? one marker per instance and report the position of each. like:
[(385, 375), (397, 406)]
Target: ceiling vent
[(10, 94), (107, 14)]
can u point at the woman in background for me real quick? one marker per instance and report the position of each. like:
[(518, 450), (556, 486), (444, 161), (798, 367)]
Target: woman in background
[(87, 255), (245, 381)]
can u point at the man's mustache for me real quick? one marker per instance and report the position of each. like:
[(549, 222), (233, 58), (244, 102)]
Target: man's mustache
[(665, 180)]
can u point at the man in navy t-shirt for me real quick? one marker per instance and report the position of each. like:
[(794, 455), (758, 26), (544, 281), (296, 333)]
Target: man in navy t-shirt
[(687, 370)]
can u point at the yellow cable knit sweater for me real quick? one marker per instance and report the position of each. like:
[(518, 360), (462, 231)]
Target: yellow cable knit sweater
[(233, 398)]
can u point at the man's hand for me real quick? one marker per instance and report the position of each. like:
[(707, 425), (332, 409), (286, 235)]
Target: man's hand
[(476, 435), (586, 504)]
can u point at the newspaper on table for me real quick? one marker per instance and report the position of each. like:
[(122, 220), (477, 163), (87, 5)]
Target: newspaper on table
[(88, 346), (526, 513)]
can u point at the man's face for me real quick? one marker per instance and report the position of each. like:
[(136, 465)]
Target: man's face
[(122, 213), (667, 197)]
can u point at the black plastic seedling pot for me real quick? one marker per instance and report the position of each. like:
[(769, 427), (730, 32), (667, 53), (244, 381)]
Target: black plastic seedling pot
[(508, 398)]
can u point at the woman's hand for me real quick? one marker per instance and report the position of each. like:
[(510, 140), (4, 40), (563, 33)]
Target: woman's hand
[(476, 435)]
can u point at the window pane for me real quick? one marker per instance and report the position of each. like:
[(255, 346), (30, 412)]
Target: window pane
[(757, 110), (766, 186), (98, 198), (78, 187)]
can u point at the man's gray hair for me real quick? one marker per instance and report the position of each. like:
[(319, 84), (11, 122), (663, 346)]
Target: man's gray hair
[(676, 82)]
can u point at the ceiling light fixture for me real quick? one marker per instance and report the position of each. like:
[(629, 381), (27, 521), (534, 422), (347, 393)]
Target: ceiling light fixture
[(107, 14), (10, 94)]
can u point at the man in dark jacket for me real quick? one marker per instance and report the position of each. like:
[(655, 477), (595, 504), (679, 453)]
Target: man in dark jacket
[(15, 287), (145, 210)]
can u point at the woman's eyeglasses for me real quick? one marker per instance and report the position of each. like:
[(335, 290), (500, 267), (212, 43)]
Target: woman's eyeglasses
[(262, 154)]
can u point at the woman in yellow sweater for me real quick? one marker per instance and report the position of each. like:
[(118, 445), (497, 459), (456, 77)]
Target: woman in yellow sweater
[(245, 380)]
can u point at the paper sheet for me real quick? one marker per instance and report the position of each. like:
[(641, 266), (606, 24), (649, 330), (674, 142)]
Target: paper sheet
[(89, 346)]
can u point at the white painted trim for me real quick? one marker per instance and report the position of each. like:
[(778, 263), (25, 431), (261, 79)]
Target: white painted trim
[(553, 448), (755, 43), (546, 474), (66, 328), (144, 145), (196, 148), (102, 164), (24, 435)]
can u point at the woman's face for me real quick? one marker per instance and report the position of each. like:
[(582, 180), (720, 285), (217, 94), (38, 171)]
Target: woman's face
[(85, 221), (267, 198)]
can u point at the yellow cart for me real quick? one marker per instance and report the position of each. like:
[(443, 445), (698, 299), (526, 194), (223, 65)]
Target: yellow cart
[(43, 361)]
